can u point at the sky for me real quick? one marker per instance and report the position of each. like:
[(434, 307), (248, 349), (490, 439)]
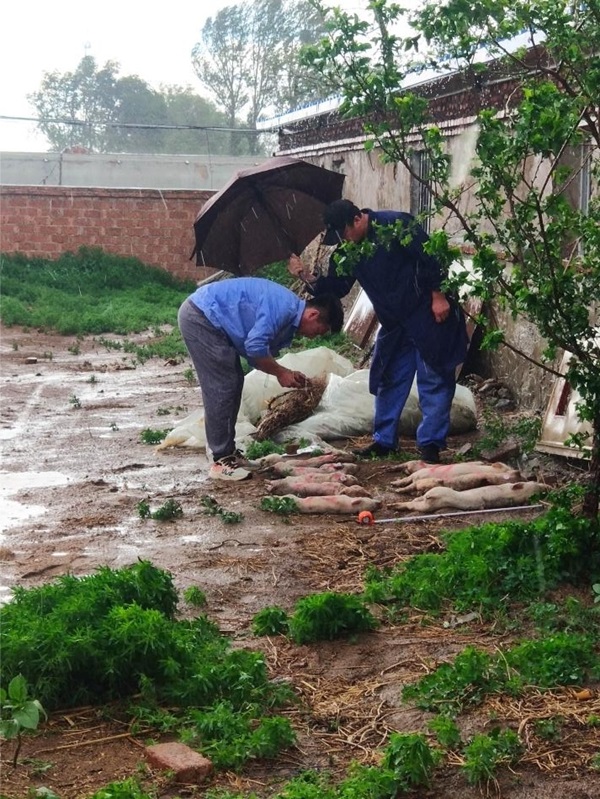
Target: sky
[(152, 41)]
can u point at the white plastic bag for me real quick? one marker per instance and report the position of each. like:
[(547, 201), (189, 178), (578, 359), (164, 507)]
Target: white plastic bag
[(261, 388)]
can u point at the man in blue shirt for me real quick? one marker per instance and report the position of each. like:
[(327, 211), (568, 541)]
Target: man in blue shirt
[(254, 318), (422, 329)]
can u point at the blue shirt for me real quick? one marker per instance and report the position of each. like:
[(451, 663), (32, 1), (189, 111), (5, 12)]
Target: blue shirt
[(260, 317)]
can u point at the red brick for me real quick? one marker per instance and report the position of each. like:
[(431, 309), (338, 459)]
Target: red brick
[(186, 764)]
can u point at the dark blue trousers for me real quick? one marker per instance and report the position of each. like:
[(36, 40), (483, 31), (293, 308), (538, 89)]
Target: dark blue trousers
[(436, 392)]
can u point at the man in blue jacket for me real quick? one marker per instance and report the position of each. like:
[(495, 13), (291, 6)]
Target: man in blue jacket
[(253, 318), (422, 330)]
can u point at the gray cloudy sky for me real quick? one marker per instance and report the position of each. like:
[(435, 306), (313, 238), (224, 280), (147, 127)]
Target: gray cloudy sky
[(148, 40), (153, 41)]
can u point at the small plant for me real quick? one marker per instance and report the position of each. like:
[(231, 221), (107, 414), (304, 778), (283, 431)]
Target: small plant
[(15, 346), (123, 789), (596, 593), (114, 426), (258, 449), (283, 506), (92, 379), (270, 621), (74, 401), (48, 356), (446, 731), (411, 759), (195, 596), (163, 412), (548, 729), (171, 509), (149, 436), (190, 377), (18, 712), (486, 753), (75, 349), (212, 508), (323, 617)]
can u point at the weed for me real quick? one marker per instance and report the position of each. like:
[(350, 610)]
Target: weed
[(230, 736), (74, 401), (453, 686), (548, 729), (270, 621), (483, 566), (496, 430), (486, 753), (446, 731), (18, 712), (560, 659), (195, 596), (114, 426), (149, 436), (15, 346), (48, 356), (123, 789), (283, 506), (258, 449), (411, 759), (75, 349), (328, 615), (163, 412), (212, 508), (171, 509), (190, 376)]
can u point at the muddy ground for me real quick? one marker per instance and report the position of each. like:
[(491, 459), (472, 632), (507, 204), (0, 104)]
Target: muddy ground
[(74, 469)]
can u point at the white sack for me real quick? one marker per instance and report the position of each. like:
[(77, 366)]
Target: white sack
[(261, 388), (347, 408)]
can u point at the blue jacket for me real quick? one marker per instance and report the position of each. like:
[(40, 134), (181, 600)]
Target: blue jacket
[(399, 282), (259, 316)]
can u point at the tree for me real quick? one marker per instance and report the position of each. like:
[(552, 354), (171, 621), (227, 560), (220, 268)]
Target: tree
[(248, 57), (85, 97), (536, 251), (104, 112)]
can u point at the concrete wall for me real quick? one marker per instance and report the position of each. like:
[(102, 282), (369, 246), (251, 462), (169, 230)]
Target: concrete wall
[(125, 170), (152, 225)]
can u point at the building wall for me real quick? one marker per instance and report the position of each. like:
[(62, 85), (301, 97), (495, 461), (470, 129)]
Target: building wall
[(152, 225), (121, 170)]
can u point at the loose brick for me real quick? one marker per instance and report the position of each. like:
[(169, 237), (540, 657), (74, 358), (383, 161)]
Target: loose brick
[(186, 764)]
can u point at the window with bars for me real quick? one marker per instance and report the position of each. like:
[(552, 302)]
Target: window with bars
[(420, 193)]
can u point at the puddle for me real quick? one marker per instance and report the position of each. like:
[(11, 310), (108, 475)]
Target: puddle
[(13, 512)]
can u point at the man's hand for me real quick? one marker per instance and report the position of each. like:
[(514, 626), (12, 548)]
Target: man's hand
[(290, 379), (296, 268), (440, 306)]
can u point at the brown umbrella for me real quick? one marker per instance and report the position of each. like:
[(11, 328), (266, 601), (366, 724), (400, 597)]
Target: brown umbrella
[(264, 214)]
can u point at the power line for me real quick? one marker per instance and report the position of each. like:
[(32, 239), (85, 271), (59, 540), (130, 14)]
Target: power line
[(133, 125)]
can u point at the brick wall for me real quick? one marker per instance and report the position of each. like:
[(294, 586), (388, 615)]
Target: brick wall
[(154, 226)]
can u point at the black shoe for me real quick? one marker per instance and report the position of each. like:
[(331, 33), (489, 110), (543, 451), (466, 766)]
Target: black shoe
[(374, 450), (430, 453)]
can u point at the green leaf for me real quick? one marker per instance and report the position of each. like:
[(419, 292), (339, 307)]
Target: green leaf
[(17, 689), (28, 716)]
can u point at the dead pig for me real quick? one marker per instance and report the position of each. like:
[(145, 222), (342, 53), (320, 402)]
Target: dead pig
[(334, 504), (316, 462), (285, 469), (459, 482), (301, 487), (498, 496)]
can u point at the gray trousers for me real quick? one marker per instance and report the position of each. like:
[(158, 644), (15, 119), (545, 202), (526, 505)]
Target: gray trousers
[(220, 375)]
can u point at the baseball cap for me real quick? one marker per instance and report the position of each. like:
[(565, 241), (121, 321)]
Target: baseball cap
[(336, 216)]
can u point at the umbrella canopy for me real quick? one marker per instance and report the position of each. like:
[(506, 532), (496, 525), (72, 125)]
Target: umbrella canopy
[(264, 214)]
